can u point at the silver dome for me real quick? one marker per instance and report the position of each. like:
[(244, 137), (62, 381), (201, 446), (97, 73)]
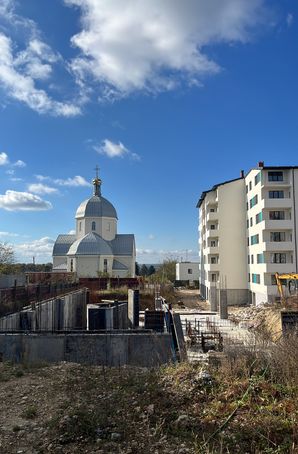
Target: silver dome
[(96, 206), (90, 244)]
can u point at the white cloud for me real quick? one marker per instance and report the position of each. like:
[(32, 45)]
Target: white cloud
[(41, 248), (3, 159), (152, 45), (19, 163), (114, 150), (23, 201), (75, 181), (8, 234), (39, 188), (151, 237), (19, 82), (72, 232)]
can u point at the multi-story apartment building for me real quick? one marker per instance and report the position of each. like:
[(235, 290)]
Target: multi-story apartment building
[(271, 225), (222, 227), (248, 232)]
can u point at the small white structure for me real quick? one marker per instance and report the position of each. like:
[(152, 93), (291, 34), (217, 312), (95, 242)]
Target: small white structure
[(187, 271), (96, 249)]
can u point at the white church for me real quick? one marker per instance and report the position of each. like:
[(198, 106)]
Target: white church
[(96, 249)]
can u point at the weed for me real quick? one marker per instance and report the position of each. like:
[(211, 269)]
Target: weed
[(30, 412)]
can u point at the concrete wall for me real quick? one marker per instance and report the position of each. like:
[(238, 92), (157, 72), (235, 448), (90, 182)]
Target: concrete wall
[(61, 313), (143, 349)]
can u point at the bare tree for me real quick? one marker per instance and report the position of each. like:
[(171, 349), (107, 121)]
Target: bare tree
[(6, 255)]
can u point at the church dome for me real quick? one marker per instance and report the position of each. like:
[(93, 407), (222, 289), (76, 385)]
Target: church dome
[(90, 244), (96, 206)]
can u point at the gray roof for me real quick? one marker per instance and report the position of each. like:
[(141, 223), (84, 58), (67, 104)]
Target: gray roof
[(123, 244), (90, 244), (62, 244), (118, 266), (96, 206)]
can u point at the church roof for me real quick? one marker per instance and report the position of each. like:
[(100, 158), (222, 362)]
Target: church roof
[(90, 244), (96, 206), (123, 244), (62, 244), (118, 266)]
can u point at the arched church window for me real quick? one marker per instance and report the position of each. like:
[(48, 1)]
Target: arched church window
[(80, 226), (71, 265), (93, 227)]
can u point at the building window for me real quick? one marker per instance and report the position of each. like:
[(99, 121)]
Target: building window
[(278, 236), (255, 278), (71, 265), (250, 185), (273, 279), (93, 226), (253, 201), (213, 277), (246, 206), (105, 265), (260, 258), (275, 176), (213, 260), (213, 243), (189, 271), (247, 241), (248, 277), (247, 223), (278, 257), (251, 222), (257, 178), (259, 217), (252, 259), (276, 215), (254, 239), (246, 189), (276, 194), (213, 227), (80, 226), (248, 259)]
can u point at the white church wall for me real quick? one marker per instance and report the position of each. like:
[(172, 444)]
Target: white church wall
[(58, 260), (104, 227), (129, 262)]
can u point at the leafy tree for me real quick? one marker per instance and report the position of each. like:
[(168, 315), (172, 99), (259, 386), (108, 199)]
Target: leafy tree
[(167, 271), (144, 270), (151, 270)]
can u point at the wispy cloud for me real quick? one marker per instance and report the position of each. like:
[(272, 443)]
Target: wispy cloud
[(39, 188), (9, 234), (75, 181), (289, 19), (115, 150), (152, 45), (3, 159), (19, 163), (23, 201), (21, 85)]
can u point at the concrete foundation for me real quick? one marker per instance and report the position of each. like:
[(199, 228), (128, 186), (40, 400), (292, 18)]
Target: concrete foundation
[(143, 349), (133, 308)]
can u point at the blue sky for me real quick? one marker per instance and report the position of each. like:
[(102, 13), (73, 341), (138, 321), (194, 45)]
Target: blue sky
[(167, 97)]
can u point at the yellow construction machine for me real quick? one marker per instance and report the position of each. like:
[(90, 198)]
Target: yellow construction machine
[(291, 281)]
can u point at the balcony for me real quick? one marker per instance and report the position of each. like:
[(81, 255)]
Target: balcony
[(277, 246), (212, 250), (280, 268), (276, 204), (276, 184), (276, 224), (212, 216), (212, 233), (213, 267)]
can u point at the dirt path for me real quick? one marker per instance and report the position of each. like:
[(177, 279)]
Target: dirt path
[(191, 299)]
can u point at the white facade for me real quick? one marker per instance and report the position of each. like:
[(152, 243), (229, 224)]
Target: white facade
[(248, 232), (222, 240), (187, 271), (272, 220)]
